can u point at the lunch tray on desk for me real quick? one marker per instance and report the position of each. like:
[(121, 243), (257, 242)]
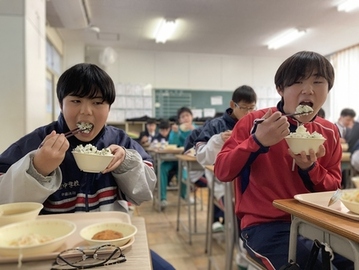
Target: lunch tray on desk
[(81, 220), (320, 200)]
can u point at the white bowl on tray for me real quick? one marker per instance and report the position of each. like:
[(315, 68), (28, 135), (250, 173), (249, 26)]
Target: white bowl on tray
[(350, 198), (92, 163), (34, 237), (297, 145), (19, 211), (126, 229)]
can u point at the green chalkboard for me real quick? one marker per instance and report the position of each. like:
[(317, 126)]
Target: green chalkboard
[(167, 101)]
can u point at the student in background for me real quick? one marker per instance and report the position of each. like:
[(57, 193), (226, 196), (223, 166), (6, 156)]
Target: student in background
[(213, 135), (345, 123), (164, 129), (354, 158), (353, 136), (149, 133), (264, 169), (178, 135)]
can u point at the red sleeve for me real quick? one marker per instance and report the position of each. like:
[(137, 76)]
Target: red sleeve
[(237, 149)]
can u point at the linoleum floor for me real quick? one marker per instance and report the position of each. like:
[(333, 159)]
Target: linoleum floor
[(173, 245)]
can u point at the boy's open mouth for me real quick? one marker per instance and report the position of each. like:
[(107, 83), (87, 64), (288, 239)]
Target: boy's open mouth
[(304, 108), (307, 103), (85, 127)]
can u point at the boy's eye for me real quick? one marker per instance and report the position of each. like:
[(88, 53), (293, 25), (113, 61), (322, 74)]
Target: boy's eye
[(99, 102), (75, 101)]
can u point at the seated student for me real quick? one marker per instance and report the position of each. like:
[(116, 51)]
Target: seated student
[(345, 123), (354, 158), (149, 133), (164, 129), (178, 135), (197, 177), (353, 136), (49, 174), (256, 157), (215, 132)]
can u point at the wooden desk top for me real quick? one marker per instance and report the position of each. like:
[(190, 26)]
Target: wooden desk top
[(178, 150), (346, 157), (343, 226), (186, 157), (345, 147)]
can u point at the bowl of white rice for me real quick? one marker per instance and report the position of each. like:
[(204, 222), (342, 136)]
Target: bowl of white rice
[(90, 159), (302, 140)]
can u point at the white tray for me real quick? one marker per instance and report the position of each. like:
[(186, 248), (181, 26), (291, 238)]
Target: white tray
[(81, 220), (321, 199)]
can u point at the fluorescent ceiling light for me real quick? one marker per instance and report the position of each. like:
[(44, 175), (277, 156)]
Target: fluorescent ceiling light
[(165, 30), (285, 38), (348, 5)]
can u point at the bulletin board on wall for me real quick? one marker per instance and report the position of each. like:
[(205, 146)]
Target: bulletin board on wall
[(203, 103)]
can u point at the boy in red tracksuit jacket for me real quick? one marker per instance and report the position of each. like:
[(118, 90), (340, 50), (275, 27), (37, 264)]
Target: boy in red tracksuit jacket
[(257, 158)]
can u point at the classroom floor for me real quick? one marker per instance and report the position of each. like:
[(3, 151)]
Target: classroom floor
[(173, 246)]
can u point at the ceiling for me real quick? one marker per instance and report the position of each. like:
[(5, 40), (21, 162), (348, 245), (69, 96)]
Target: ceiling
[(229, 27)]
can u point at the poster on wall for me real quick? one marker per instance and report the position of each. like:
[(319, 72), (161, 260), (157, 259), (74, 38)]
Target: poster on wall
[(216, 100)]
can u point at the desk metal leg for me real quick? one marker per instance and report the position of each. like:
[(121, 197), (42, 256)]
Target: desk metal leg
[(229, 224), (210, 207), (181, 165), (293, 237), (188, 200), (159, 162), (179, 182)]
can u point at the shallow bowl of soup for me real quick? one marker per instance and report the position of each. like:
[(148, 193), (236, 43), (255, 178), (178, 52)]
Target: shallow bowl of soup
[(19, 211)]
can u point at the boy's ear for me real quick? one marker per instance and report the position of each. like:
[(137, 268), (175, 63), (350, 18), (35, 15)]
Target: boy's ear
[(231, 104), (280, 91)]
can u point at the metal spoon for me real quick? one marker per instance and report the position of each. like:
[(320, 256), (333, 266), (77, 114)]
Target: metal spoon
[(335, 197), (260, 120)]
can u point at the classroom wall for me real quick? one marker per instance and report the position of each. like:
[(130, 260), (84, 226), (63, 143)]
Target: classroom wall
[(203, 72), (22, 69)]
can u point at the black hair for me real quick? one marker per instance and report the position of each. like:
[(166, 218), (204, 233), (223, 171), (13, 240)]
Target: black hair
[(244, 93), (151, 121), (348, 112), (301, 66), (182, 110), (164, 124), (86, 80), (321, 113)]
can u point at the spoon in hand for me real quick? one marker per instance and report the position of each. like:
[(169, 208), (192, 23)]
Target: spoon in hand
[(260, 120)]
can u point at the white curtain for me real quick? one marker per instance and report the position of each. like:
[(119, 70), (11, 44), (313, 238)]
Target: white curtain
[(345, 92)]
